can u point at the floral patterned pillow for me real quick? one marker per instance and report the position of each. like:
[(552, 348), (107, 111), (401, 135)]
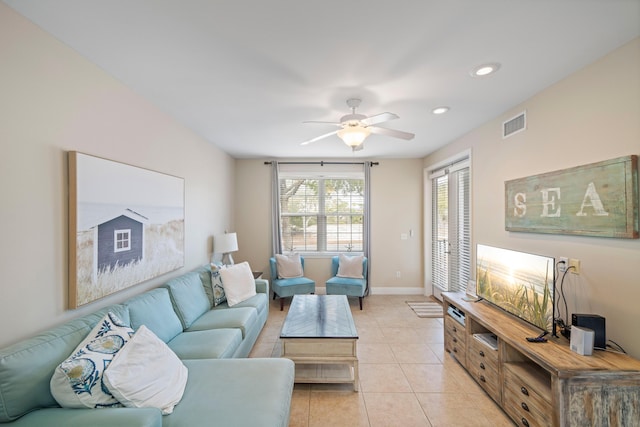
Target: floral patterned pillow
[(216, 282), (78, 381)]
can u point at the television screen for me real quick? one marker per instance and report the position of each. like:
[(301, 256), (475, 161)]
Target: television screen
[(518, 282)]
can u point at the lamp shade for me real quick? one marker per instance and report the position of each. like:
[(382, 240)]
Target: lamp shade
[(353, 135), (225, 243)]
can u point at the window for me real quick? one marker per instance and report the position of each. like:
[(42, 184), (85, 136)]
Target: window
[(321, 208), (121, 240), (450, 228)]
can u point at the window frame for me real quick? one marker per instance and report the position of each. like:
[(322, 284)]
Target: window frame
[(322, 232), (127, 239)]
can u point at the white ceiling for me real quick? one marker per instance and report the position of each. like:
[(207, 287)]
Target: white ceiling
[(245, 74)]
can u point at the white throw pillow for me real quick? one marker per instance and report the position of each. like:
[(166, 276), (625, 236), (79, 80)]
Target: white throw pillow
[(78, 381), (350, 267), (289, 266), (147, 374), (238, 283)]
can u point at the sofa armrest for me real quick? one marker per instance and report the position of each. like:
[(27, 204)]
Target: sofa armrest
[(262, 286), (104, 417)]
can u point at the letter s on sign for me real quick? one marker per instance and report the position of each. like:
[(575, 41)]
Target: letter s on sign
[(520, 200)]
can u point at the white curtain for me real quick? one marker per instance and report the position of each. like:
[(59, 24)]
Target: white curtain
[(276, 241), (367, 220)]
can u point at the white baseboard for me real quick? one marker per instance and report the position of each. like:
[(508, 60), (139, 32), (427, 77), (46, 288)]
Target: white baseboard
[(380, 290), (383, 290)]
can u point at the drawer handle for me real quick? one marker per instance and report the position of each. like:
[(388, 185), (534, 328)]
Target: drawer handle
[(455, 340), (524, 391), (481, 353), (482, 365), (455, 350), (524, 406), (525, 423), (454, 329), (483, 379)]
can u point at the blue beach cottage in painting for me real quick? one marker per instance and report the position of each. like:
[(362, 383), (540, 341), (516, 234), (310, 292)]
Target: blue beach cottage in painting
[(120, 240)]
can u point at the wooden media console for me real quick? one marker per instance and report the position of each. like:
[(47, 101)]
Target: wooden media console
[(541, 384)]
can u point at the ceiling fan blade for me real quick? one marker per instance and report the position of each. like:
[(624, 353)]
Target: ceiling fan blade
[(319, 137), (379, 118), (391, 132), (323, 123)]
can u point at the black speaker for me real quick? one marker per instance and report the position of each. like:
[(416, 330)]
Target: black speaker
[(594, 322)]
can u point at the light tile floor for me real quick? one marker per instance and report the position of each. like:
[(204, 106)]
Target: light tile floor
[(406, 377)]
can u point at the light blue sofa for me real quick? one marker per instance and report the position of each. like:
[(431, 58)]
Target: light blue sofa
[(223, 388)]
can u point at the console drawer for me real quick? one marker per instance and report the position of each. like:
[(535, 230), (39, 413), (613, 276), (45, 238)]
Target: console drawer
[(455, 340), (526, 395), (482, 363)]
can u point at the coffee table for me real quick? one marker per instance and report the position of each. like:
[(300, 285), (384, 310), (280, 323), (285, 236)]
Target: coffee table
[(320, 337)]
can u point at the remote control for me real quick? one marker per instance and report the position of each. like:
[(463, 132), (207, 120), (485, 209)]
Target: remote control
[(539, 338)]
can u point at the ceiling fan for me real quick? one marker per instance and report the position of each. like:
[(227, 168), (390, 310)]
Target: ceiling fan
[(355, 128)]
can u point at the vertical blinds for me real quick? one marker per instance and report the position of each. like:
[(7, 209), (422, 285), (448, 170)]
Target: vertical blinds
[(451, 233)]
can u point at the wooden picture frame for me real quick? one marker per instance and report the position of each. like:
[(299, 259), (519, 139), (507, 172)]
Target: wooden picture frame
[(598, 199), (126, 226)]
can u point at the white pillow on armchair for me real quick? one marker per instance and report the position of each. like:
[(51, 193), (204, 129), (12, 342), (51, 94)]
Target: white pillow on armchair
[(350, 266)]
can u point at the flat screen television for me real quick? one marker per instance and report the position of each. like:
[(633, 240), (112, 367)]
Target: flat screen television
[(517, 282)]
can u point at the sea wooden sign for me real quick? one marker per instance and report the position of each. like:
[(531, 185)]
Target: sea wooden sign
[(599, 199)]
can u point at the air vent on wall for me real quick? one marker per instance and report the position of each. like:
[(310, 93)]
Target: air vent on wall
[(514, 125)]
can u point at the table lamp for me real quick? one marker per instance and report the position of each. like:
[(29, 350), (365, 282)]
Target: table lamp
[(225, 244)]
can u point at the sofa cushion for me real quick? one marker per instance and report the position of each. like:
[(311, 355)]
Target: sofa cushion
[(77, 381), (256, 392), (107, 417), (155, 310), (238, 283), (209, 344), (188, 297), (243, 318), (205, 278), (26, 368), (146, 374), (259, 301)]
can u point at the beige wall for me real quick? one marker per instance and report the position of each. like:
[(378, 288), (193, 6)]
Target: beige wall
[(396, 205), (590, 116), (52, 100)]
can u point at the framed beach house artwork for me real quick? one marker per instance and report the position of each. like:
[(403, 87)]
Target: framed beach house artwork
[(126, 226)]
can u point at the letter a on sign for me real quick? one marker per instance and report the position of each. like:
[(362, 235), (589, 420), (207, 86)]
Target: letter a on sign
[(591, 198)]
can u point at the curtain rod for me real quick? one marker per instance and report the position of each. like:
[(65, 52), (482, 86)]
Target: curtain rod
[(322, 163)]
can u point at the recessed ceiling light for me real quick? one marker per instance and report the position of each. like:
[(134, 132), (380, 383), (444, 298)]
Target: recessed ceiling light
[(485, 69), (440, 110)]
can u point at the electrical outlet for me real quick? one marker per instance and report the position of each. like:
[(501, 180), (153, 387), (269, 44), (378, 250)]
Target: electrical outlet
[(575, 263), (563, 263), (398, 275)]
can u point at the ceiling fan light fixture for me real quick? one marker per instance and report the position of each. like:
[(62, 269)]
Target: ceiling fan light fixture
[(353, 135)]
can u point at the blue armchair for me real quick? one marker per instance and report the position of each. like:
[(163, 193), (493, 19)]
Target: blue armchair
[(289, 287), (346, 285)]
